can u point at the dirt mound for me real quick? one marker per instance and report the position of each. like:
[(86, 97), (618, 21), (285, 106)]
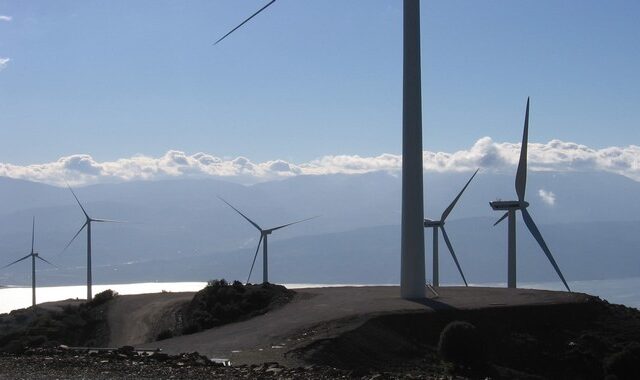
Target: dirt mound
[(571, 341)]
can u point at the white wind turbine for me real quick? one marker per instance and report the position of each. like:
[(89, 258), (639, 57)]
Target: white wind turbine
[(512, 206), (264, 234), (34, 255), (439, 224), (412, 263), (87, 223)]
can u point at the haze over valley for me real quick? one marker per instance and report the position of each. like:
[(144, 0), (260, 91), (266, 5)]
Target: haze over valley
[(178, 230)]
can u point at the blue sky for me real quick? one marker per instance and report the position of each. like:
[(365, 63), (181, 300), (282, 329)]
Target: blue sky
[(309, 78)]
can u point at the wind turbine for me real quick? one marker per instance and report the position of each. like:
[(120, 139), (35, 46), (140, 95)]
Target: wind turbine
[(439, 224), (512, 206), (412, 263), (34, 255), (264, 234), (87, 223)]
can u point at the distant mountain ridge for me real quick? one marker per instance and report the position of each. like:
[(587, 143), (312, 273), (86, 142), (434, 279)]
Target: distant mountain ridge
[(591, 227)]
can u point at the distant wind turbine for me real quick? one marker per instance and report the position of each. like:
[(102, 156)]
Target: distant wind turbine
[(34, 255), (264, 233), (512, 206), (412, 263), (87, 223), (439, 224)]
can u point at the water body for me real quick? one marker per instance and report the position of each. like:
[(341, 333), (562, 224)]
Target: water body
[(624, 291)]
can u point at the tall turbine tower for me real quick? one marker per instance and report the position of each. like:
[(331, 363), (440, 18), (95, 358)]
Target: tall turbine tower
[(521, 204), (87, 223), (439, 224), (264, 234), (412, 263), (34, 255)]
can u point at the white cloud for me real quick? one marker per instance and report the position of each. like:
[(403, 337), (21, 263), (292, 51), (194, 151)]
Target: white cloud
[(555, 155), (5, 18), (547, 197), (4, 62)]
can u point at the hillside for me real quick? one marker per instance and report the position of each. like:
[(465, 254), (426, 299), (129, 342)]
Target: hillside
[(348, 331)]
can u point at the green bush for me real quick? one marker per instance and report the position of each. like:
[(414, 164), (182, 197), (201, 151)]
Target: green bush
[(460, 343)]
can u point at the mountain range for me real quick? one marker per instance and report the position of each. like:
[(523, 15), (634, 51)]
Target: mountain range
[(179, 230)]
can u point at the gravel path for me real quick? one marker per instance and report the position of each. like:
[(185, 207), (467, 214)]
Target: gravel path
[(138, 319)]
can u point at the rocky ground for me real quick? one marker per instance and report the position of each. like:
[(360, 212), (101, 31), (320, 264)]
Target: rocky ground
[(62, 363)]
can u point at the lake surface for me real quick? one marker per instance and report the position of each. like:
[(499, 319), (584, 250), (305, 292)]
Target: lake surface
[(624, 291)]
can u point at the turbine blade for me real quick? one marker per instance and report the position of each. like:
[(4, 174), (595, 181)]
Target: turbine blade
[(453, 254), (79, 204), (254, 257), (108, 221), (289, 224), (46, 261), (538, 236), (243, 215), (521, 174), (244, 22), (501, 218), (33, 232), (452, 205), (17, 261), (74, 237)]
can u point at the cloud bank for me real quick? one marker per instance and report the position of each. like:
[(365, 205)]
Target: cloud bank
[(5, 18), (82, 169)]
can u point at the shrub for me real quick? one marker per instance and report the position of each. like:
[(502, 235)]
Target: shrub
[(460, 343), (624, 364), (74, 324), (103, 297), (220, 303)]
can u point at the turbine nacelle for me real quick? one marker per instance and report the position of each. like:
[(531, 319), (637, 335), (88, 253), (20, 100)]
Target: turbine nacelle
[(508, 205), (433, 223)]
